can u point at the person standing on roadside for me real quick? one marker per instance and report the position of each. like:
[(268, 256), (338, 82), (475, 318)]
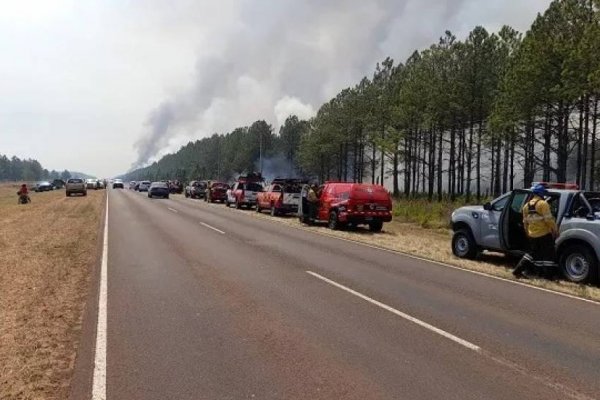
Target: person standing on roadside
[(313, 202), (542, 231)]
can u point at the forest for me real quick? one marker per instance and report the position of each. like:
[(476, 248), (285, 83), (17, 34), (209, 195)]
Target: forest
[(466, 118), (27, 170)]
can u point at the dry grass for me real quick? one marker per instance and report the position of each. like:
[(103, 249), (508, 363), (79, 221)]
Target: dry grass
[(46, 252), (434, 245)]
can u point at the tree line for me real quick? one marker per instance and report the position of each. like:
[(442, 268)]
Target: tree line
[(463, 118), (27, 170)]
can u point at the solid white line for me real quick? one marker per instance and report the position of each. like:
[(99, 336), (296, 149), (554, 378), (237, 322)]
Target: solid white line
[(407, 317), (99, 383), (172, 209), (212, 227)]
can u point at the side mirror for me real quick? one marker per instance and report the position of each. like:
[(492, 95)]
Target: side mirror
[(487, 206)]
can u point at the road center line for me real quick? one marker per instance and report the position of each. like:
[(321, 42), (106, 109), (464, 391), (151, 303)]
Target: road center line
[(212, 227), (172, 209), (407, 317), (99, 382)]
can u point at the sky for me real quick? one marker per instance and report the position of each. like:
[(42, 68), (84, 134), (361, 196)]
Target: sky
[(104, 86)]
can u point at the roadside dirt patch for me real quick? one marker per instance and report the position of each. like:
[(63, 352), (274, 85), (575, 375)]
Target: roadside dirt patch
[(434, 245), (46, 252)]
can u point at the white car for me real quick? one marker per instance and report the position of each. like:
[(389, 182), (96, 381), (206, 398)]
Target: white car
[(91, 183)]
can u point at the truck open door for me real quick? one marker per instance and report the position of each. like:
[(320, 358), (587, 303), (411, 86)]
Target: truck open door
[(512, 231)]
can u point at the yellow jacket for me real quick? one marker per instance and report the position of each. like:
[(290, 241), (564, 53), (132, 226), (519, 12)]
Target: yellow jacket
[(537, 218)]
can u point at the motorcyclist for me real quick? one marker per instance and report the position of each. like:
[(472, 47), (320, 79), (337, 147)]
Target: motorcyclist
[(23, 194)]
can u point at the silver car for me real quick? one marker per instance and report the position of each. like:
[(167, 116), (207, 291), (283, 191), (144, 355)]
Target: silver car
[(498, 226)]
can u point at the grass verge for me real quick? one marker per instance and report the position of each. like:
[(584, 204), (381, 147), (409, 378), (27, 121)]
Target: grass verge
[(46, 253)]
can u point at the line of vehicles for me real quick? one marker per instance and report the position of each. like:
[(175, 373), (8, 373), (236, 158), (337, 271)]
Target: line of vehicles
[(340, 205), (496, 226)]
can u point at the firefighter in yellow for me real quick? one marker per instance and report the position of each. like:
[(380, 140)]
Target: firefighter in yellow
[(540, 227)]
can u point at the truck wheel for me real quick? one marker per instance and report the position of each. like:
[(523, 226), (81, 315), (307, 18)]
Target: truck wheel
[(333, 224), (376, 226), (578, 264), (463, 244)]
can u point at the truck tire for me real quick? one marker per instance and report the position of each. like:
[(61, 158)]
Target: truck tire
[(463, 244), (376, 226), (578, 264)]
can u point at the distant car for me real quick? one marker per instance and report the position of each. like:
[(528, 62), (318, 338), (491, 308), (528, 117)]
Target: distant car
[(118, 184), (58, 183), (100, 184), (132, 185), (143, 186), (196, 189), (176, 187), (158, 189), (75, 185), (91, 183), (281, 197), (217, 191), (243, 194), (43, 186)]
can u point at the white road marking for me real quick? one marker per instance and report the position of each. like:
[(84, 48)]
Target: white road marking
[(212, 227), (407, 317), (172, 209), (99, 382)]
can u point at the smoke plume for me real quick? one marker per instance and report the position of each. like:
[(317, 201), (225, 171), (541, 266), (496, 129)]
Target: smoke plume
[(277, 58)]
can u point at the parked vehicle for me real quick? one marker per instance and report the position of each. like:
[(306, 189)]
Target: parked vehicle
[(282, 196), (176, 187), (498, 226), (159, 189), (58, 184), (196, 189), (118, 184), (43, 186), (342, 204), (100, 184), (76, 185), (244, 192), (216, 191), (132, 185), (137, 186), (90, 183), (144, 186)]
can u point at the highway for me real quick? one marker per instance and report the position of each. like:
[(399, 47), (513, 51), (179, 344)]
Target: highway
[(210, 303)]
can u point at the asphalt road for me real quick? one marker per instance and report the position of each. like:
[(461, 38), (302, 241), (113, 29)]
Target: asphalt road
[(210, 303)]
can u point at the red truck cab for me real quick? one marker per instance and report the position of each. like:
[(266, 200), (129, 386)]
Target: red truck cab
[(216, 191), (345, 203)]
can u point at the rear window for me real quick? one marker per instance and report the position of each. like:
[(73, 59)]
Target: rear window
[(75, 181), (146, 183), (159, 184), (255, 187)]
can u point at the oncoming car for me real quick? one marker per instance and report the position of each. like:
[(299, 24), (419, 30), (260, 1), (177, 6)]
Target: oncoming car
[(144, 186), (118, 184)]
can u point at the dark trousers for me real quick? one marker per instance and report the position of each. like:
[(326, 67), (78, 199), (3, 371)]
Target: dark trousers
[(540, 260), (313, 207)]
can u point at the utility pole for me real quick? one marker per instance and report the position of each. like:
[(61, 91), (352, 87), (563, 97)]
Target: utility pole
[(260, 151)]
